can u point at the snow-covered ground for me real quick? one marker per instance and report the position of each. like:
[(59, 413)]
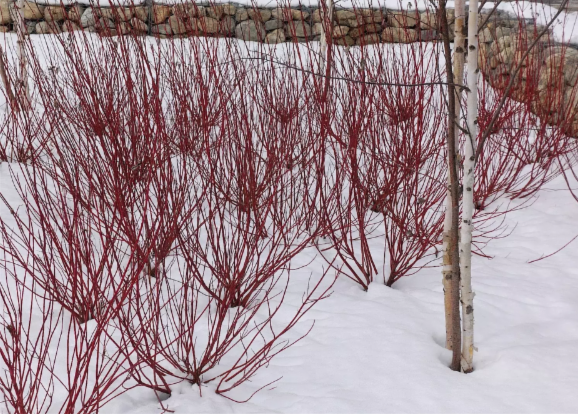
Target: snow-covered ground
[(382, 351)]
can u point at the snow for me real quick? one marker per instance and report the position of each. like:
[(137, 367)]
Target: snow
[(382, 350)]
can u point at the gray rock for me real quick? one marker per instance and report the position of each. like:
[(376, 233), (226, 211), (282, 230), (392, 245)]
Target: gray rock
[(273, 25), (160, 13), (88, 18), (297, 28), (366, 29), (123, 14), (276, 36), (241, 15), (428, 20), (340, 31), (124, 28), (30, 27), (251, 31), (141, 13), (47, 28), (216, 12), (343, 16), (317, 29), (345, 41), (229, 9), (104, 25), (290, 14), (429, 35), (260, 15)]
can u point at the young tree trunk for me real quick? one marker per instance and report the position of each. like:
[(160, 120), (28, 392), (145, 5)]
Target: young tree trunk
[(458, 74), (452, 270), (22, 91), (326, 33), (6, 82), (468, 194)]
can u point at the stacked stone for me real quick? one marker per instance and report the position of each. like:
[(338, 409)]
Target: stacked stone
[(557, 91), (548, 76), (41, 19), (350, 27)]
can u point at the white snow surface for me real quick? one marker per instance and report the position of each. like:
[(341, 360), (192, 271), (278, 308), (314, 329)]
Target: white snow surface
[(382, 351)]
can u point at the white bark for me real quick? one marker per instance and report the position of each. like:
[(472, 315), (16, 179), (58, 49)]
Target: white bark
[(458, 69), (468, 195), (447, 266)]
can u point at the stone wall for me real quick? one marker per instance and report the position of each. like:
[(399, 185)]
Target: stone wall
[(274, 25), (548, 81)]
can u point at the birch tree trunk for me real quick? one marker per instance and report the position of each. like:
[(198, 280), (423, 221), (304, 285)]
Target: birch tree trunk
[(458, 75), (468, 195), (22, 91)]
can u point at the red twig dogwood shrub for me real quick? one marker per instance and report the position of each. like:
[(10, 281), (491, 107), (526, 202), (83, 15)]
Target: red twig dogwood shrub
[(210, 202), (386, 164), (346, 202), (22, 133), (72, 253), (520, 156), (26, 343), (408, 143), (528, 136), (120, 121), (211, 315)]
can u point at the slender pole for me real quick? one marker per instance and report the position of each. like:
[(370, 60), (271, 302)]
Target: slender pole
[(326, 32), (452, 271), (7, 85), (458, 74), (22, 90), (149, 4)]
